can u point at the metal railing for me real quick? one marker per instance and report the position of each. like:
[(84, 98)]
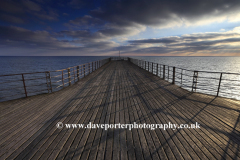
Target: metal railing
[(14, 86), (222, 84), (119, 58)]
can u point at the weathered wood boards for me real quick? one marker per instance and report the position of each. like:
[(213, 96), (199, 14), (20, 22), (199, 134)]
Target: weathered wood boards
[(120, 92)]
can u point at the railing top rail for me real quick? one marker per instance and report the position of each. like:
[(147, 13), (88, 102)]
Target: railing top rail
[(189, 69)]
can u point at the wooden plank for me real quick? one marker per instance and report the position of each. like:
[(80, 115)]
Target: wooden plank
[(120, 92), (55, 123)]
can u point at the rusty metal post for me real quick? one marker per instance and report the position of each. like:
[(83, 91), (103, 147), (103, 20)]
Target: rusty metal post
[(92, 66), (194, 84), (88, 68), (62, 79), (160, 70), (81, 71), (47, 81), (148, 66), (152, 67), (78, 72), (24, 86), (84, 70), (50, 81), (48, 78), (181, 76), (69, 77), (173, 80), (219, 84), (163, 71), (168, 73), (74, 74)]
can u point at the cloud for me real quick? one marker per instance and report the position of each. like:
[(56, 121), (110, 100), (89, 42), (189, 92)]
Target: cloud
[(215, 42), (125, 18), (102, 25), (31, 5), (26, 11), (20, 37), (50, 16), (11, 19), (157, 40), (11, 6), (170, 13), (84, 41), (86, 22)]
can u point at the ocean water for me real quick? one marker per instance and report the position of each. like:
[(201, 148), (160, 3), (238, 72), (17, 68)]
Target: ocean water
[(214, 64), (206, 83), (15, 65)]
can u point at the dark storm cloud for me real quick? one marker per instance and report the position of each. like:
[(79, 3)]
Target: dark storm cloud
[(129, 17), (86, 22), (84, 35), (90, 24), (16, 36), (160, 40), (161, 13), (26, 11), (213, 42), (11, 19)]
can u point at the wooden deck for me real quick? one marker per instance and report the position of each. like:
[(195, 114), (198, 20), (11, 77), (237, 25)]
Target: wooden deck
[(120, 92)]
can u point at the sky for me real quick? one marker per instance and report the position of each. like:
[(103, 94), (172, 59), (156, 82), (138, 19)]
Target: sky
[(133, 27)]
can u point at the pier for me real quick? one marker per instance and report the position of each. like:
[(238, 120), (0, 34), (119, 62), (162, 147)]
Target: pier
[(120, 91)]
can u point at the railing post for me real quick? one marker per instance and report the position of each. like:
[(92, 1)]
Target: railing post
[(157, 70), (48, 78), (92, 66), (78, 72), (47, 81), (95, 66), (163, 71), (219, 84), (74, 74), (84, 70), (81, 71), (194, 84), (50, 81), (152, 67), (160, 70), (148, 66), (145, 65), (69, 78), (173, 80), (168, 73), (62, 79), (181, 76), (88, 68), (24, 86)]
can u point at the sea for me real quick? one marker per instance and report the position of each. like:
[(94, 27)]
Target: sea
[(230, 83)]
